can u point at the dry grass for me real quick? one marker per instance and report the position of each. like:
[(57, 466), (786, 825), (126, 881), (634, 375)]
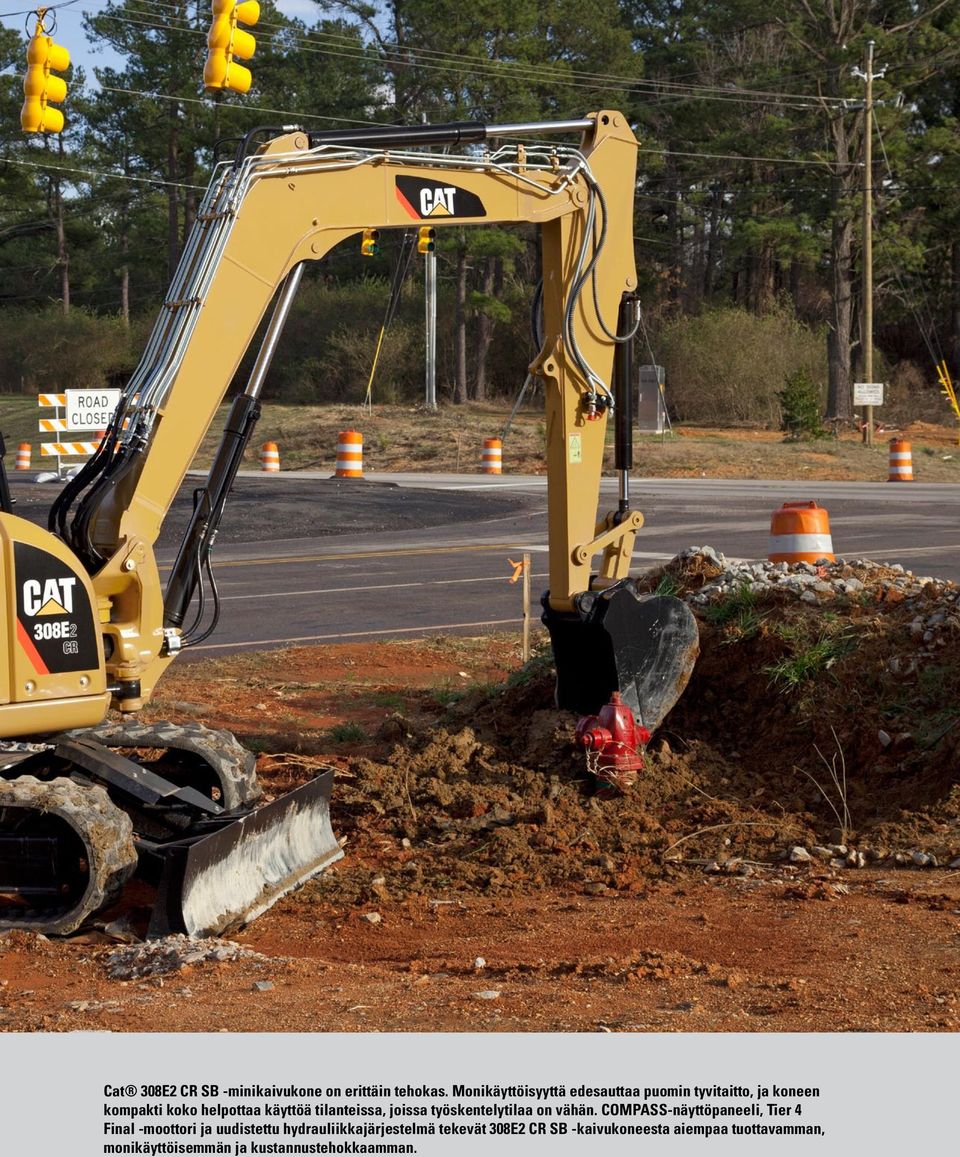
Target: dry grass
[(409, 438)]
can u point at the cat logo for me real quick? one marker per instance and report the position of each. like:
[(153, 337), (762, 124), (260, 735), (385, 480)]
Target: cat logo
[(53, 597), (421, 199), (437, 202)]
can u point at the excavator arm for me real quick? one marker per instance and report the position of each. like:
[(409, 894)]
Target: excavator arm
[(267, 214), (85, 624)]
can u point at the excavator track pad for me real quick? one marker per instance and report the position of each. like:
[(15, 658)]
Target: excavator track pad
[(644, 646), (65, 852), (77, 819)]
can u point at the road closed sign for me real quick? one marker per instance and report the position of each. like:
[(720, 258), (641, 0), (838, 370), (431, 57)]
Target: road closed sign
[(90, 409)]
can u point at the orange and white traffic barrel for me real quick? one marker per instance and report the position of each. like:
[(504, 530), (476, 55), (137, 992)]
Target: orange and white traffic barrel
[(270, 458), (492, 456), (901, 461), (23, 456), (349, 454), (800, 532)]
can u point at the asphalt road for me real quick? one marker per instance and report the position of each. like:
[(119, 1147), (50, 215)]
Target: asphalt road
[(302, 560)]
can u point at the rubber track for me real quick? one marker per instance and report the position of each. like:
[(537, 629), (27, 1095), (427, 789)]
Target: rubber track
[(234, 766), (105, 830)]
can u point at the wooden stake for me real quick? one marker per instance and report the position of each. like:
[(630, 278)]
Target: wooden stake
[(526, 608)]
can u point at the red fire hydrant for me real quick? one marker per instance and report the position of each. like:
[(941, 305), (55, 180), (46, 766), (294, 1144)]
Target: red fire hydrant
[(612, 741)]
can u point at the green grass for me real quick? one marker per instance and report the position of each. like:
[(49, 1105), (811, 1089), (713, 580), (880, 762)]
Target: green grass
[(347, 733), (737, 614), (392, 700), (807, 662), (742, 599), (667, 586)]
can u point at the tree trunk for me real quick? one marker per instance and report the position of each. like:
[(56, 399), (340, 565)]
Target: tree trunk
[(485, 324), (713, 244), (63, 256), (840, 334), (460, 324), (955, 304), (125, 295), (124, 267), (173, 194)]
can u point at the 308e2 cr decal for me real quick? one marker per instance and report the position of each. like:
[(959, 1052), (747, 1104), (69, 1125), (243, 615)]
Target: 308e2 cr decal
[(55, 625)]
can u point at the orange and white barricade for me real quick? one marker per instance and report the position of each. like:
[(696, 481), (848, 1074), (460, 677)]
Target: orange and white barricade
[(901, 461), (349, 454), (270, 458), (492, 456), (800, 532)]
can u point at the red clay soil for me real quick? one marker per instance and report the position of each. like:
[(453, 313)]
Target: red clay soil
[(485, 886)]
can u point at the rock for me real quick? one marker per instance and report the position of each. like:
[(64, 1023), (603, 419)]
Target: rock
[(479, 963), (821, 852), (595, 888), (487, 994), (122, 930), (800, 855), (808, 597), (924, 859), (955, 863), (263, 985), (884, 738), (372, 917), (173, 953)]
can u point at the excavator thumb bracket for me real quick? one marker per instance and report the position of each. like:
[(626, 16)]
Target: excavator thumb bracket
[(644, 647)]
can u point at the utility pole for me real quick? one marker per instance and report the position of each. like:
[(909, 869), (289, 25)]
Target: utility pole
[(867, 325)]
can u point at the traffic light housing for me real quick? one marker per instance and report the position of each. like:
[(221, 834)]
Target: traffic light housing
[(426, 239), (370, 245), (226, 41), (41, 88)]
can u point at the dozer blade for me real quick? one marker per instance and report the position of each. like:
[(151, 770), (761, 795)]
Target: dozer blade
[(616, 640), (226, 879)]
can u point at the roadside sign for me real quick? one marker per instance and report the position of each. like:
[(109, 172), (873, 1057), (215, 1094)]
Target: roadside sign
[(90, 409), (868, 393)]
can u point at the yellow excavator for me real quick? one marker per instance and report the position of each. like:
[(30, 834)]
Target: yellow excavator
[(86, 624)]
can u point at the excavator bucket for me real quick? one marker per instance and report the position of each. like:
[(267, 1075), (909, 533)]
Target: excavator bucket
[(226, 879), (644, 647)]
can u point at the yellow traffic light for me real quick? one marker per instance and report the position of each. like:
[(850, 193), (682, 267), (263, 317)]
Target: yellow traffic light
[(226, 41), (426, 239), (40, 87), (370, 245)]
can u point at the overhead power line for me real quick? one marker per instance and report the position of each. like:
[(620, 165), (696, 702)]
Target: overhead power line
[(331, 43)]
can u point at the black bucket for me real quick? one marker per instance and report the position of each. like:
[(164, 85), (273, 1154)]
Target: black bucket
[(644, 646)]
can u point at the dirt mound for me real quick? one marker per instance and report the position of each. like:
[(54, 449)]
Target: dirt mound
[(818, 722)]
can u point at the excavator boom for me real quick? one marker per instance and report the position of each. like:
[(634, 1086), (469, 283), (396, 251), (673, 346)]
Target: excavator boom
[(87, 624)]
